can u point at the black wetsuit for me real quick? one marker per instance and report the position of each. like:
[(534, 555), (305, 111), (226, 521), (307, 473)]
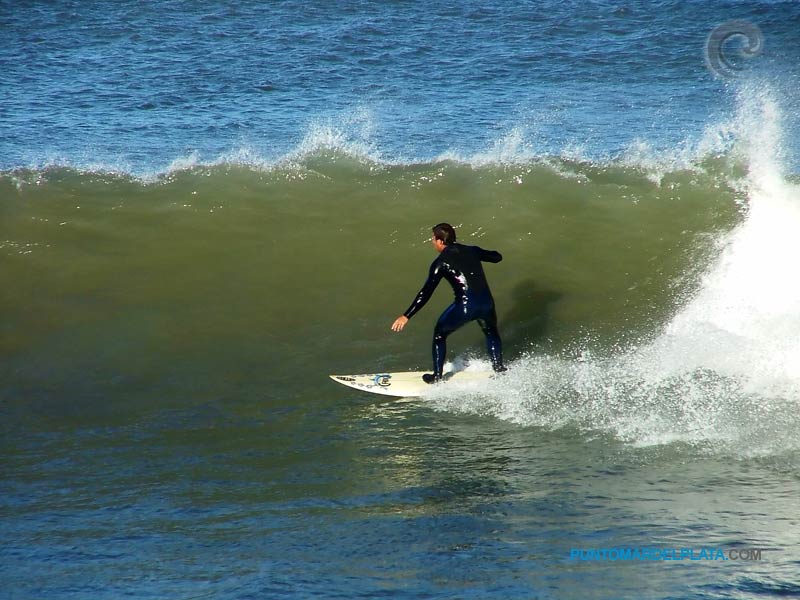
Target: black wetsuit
[(461, 266)]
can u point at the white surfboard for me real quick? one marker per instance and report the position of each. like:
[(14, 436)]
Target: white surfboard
[(407, 384)]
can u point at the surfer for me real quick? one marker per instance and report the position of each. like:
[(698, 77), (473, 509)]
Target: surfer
[(461, 266)]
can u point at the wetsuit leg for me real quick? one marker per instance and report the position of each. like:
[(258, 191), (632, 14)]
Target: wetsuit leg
[(451, 319), (494, 345)]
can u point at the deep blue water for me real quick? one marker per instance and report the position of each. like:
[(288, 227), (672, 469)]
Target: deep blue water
[(134, 87)]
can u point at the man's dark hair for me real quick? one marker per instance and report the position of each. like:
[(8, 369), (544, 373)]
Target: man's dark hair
[(445, 233)]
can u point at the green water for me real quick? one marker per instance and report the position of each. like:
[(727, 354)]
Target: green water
[(225, 275)]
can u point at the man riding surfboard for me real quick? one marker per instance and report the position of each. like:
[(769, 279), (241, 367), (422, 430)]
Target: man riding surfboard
[(461, 266)]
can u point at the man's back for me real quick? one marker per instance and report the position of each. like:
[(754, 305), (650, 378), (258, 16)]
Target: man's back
[(461, 266)]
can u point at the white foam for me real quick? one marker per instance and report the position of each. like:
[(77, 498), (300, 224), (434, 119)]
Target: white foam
[(352, 134), (513, 147), (750, 299)]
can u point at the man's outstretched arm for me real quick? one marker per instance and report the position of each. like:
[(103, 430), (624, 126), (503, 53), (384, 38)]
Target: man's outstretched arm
[(434, 277), (492, 256)]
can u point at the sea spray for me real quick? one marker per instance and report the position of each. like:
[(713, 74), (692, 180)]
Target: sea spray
[(723, 372)]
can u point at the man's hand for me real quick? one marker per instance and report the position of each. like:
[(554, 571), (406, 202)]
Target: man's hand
[(399, 323)]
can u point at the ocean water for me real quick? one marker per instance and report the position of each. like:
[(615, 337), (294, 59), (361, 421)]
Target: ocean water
[(206, 208)]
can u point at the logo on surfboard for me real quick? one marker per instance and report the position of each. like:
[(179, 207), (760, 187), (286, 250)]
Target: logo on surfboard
[(382, 379)]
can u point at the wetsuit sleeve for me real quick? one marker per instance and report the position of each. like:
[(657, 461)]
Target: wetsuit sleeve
[(434, 277), (492, 256)]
